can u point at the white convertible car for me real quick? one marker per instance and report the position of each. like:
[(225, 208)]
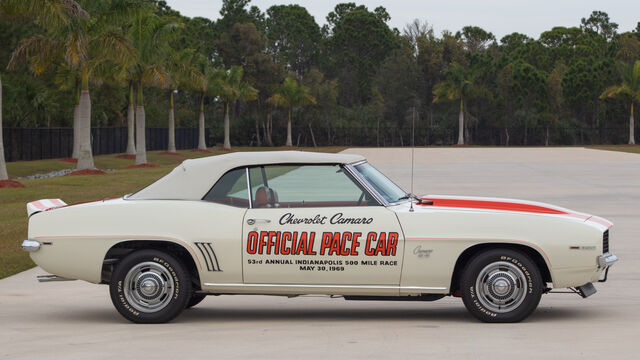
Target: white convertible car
[(294, 223)]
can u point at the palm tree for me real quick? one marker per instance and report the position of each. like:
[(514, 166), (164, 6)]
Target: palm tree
[(131, 121), (85, 44), (47, 13), (200, 77), (3, 166), (459, 85), (628, 91), (68, 79), (230, 87), (150, 35), (182, 74), (290, 95)]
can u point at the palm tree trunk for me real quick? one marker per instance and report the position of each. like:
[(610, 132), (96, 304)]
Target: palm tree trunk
[(546, 137), (378, 131), (76, 130), (202, 144), (76, 123), (289, 142), (313, 138), (461, 124), (141, 140), (269, 128), (227, 143), (3, 165), (131, 121), (85, 156), (506, 133), (326, 118), (172, 125), (258, 139), (632, 138)]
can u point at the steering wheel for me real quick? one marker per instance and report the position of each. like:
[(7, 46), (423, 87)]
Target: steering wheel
[(360, 200)]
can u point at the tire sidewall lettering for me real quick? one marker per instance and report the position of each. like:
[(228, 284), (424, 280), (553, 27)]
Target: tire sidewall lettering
[(525, 265), (175, 270)]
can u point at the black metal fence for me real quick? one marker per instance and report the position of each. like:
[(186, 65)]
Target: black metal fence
[(52, 143), (435, 136), (48, 143)]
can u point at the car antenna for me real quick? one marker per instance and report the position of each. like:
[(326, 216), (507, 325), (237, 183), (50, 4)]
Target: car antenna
[(413, 126)]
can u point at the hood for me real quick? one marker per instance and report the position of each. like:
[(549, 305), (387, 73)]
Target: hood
[(508, 205)]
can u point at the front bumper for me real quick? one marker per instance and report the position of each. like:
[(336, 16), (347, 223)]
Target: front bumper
[(605, 260)]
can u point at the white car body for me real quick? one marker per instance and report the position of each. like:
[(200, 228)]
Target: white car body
[(405, 248)]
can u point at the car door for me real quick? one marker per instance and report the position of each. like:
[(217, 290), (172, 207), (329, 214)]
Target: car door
[(315, 224)]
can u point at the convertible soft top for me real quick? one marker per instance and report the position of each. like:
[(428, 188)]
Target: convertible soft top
[(193, 178)]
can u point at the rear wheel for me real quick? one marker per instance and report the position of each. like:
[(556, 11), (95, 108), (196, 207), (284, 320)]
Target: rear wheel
[(501, 285), (150, 286)]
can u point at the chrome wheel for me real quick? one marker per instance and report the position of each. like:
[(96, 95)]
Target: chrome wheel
[(148, 287), (501, 286)]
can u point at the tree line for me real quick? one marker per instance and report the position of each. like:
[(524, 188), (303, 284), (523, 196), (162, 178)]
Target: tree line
[(251, 72)]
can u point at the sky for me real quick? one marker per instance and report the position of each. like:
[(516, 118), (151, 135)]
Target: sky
[(501, 17)]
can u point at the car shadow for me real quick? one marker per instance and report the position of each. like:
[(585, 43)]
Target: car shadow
[(452, 314), (321, 315), (210, 313)]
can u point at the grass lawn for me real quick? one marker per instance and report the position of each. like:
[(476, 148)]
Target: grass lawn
[(74, 189), (635, 149)]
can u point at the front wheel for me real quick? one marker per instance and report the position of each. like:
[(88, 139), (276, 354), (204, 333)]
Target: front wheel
[(501, 285), (150, 286)]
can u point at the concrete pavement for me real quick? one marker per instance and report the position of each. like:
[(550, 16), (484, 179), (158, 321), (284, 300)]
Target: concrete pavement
[(75, 320)]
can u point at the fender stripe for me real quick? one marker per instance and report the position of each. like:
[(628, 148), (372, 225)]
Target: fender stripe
[(493, 205)]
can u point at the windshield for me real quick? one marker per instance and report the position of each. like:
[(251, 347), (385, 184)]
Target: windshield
[(385, 187)]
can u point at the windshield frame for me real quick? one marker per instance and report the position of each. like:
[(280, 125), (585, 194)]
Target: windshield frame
[(352, 169)]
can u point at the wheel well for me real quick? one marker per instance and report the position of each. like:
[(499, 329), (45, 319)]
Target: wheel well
[(122, 249), (473, 250)]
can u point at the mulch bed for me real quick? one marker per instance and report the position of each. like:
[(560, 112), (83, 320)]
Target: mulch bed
[(70, 160), (141, 166), (201, 151), (10, 184), (126, 156), (170, 153), (87, 172)]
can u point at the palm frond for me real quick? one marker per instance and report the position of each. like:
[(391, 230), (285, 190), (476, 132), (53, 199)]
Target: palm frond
[(635, 79), (290, 95), (115, 46), (156, 75), (76, 49), (66, 78), (38, 52), (279, 101), (620, 92)]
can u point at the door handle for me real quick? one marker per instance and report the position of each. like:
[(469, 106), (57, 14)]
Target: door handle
[(253, 221)]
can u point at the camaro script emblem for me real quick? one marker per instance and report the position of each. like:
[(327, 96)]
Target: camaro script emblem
[(420, 252)]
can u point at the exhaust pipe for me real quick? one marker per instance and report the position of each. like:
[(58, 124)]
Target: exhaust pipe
[(50, 278)]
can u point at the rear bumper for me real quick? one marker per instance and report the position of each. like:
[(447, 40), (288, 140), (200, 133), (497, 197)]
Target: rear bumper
[(30, 245)]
